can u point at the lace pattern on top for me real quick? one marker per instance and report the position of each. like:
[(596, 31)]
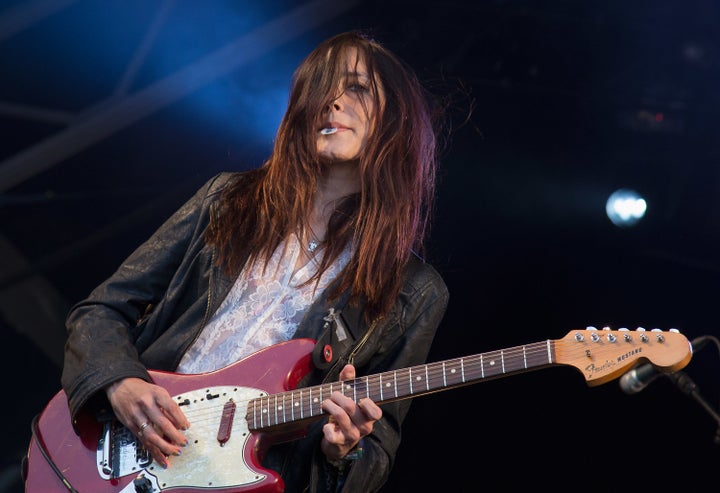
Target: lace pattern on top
[(261, 309)]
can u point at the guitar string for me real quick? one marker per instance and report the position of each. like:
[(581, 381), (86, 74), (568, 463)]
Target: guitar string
[(436, 370)]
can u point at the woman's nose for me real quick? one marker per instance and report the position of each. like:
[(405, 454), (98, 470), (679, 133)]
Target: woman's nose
[(336, 104)]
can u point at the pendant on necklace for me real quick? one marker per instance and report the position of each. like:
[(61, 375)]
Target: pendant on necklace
[(312, 246)]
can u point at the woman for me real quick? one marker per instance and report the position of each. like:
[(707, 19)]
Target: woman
[(323, 242)]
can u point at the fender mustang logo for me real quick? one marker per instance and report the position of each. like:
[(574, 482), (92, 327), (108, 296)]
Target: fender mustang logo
[(592, 368)]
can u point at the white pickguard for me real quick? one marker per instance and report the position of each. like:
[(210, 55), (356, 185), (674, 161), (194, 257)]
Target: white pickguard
[(205, 462)]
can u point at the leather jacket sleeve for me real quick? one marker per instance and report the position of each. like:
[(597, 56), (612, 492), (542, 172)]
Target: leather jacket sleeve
[(103, 328)]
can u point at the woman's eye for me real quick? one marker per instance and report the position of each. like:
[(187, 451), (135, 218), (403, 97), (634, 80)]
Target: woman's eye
[(357, 88)]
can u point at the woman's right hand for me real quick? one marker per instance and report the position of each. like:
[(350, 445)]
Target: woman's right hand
[(150, 412)]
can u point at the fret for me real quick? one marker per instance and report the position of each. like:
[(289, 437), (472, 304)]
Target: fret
[(291, 405), (549, 352), (254, 413), (471, 368), (404, 385), (263, 411), (307, 403), (515, 360), (493, 365), (372, 391), (435, 376), (319, 398), (454, 372), (283, 407), (272, 407), (314, 401), (275, 408), (360, 388), (541, 357), (258, 413), (286, 406)]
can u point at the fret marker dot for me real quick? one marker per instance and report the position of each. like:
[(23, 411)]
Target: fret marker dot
[(279, 408), (492, 363), (297, 404), (453, 370)]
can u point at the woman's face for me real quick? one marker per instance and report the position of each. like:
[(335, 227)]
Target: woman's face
[(349, 119)]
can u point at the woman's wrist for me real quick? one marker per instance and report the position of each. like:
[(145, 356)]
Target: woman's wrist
[(355, 453)]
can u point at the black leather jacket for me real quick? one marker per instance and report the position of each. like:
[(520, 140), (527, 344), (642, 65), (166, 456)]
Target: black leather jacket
[(154, 306)]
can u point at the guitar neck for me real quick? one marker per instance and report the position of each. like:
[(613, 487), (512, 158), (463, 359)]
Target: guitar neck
[(301, 405)]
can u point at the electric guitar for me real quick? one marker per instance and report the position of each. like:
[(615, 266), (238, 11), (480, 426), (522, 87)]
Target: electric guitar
[(238, 411)]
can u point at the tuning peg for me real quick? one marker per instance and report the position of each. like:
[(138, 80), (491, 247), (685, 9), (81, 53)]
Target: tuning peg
[(659, 336), (626, 334)]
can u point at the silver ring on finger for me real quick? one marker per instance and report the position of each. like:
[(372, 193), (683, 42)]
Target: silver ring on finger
[(142, 428)]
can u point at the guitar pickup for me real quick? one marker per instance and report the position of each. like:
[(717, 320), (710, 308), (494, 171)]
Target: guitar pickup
[(226, 422)]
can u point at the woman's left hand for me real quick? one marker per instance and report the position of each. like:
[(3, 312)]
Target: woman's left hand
[(348, 421)]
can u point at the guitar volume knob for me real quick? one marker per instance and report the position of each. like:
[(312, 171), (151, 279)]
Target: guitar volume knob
[(142, 485)]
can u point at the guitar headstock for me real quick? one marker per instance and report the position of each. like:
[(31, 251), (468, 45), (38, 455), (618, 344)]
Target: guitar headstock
[(603, 355)]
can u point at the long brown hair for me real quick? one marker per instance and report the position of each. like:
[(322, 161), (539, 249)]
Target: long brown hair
[(386, 221)]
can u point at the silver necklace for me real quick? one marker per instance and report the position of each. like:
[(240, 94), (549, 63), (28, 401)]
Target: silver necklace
[(313, 241)]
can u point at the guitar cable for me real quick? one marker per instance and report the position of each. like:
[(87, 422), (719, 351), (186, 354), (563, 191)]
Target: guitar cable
[(44, 452), (687, 386)]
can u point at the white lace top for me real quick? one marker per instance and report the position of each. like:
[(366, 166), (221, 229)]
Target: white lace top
[(260, 310)]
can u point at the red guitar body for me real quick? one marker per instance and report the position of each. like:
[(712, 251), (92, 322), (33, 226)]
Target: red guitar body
[(275, 369)]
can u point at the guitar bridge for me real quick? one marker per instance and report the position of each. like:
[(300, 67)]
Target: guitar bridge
[(119, 453)]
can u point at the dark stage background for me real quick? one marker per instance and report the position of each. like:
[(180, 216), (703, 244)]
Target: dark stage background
[(113, 112)]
